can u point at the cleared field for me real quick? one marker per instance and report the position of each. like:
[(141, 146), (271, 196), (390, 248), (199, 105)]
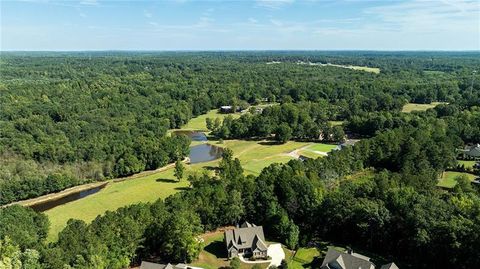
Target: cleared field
[(198, 123), (254, 156), (353, 67), (419, 107), (448, 179)]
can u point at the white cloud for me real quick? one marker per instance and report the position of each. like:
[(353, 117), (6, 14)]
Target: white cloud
[(89, 2), (147, 14), (252, 20), (429, 16), (273, 4)]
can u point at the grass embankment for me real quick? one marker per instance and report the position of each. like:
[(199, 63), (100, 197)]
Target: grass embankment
[(448, 179), (409, 107)]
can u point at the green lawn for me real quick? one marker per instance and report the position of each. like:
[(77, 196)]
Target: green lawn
[(254, 167), (302, 257), (256, 155), (448, 179), (322, 147), (467, 164), (336, 122), (198, 123), (419, 107), (253, 155)]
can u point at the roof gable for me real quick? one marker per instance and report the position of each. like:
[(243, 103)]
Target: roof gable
[(246, 237)]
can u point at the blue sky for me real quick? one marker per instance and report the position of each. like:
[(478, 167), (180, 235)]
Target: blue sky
[(239, 25)]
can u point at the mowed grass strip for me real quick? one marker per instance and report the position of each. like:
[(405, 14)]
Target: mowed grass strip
[(448, 178), (322, 147), (409, 107)]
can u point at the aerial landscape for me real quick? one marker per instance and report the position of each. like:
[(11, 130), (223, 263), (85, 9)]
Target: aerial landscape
[(239, 134)]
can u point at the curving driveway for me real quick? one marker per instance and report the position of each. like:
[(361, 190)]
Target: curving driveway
[(275, 251)]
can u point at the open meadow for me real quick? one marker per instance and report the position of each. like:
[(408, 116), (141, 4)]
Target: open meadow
[(409, 107)]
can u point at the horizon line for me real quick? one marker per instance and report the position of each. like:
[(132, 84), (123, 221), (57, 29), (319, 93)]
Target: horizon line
[(247, 50)]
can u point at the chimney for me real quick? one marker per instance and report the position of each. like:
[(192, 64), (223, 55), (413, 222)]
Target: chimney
[(349, 250)]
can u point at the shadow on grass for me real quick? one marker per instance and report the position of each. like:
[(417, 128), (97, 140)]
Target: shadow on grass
[(182, 188), (211, 168), (269, 143), (316, 263), (217, 248), (166, 180)]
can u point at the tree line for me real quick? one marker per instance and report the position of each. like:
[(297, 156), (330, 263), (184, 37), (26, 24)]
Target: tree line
[(391, 206)]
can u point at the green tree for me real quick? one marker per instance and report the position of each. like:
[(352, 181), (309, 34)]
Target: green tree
[(179, 236), (179, 170), (210, 124), (235, 263), (283, 133)]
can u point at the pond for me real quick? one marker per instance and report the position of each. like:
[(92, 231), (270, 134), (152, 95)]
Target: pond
[(194, 136), (204, 153), (44, 206)]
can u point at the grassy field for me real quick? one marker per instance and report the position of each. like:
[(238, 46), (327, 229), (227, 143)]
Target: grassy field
[(149, 186), (254, 156), (419, 107), (355, 67), (321, 147), (448, 179), (467, 164), (198, 123)]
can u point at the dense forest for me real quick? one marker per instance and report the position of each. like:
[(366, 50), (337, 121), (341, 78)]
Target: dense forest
[(68, 118)]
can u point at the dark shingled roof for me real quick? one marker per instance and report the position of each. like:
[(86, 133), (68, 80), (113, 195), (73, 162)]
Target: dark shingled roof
[(151, 265), (473, 151), (335, 259), (389, 266), (247, 236)]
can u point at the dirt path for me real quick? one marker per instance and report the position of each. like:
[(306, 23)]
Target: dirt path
[(294, 154)]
